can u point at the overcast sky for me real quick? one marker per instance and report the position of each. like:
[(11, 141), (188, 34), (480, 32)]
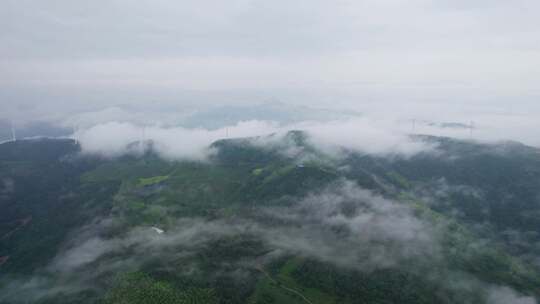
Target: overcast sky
[(417, 57)]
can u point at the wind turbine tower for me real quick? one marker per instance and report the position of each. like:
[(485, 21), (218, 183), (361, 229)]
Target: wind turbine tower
[(227, 123), (75, 135), (13, 133), (142, 139)]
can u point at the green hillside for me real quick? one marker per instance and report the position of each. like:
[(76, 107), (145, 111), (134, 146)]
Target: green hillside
[(253, 224)]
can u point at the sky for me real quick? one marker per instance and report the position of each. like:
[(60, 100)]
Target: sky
[(445, 60)]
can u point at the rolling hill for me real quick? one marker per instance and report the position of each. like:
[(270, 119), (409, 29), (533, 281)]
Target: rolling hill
[(280, 222)]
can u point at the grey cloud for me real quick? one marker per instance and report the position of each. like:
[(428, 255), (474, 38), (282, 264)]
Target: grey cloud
[(71, 56), (341, 224), (114, 139), (181, 27), (351, 227), (110, 131), (358, 134), (89, 255), (184, 237), (505, 295)]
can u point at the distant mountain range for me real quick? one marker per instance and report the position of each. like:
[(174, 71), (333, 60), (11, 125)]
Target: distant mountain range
[(33, 129), (210, 118), (218, 117)]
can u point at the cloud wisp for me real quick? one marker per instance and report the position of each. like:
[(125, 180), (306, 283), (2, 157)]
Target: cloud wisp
[(362, 135), (114, 138), (343, 225)]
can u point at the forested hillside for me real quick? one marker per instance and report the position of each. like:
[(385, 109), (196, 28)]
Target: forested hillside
[(270, 220)]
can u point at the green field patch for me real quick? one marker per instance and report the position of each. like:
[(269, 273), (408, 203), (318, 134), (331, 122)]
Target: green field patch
[(257, 171), (143, 182), (128, 170), (276, 174)]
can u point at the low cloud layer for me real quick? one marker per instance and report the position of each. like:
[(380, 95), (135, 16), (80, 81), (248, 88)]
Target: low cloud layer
[(505, 295), (351, 227), (342, 224), (114, 138), (360, 134), (187, 133)]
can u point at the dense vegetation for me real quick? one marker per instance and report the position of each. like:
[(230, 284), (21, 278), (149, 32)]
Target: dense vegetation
[(140, 229)]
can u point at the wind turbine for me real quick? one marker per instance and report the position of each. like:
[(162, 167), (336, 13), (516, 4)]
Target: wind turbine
[(13, 133), (227, 122), (142, 139), (75, 135)]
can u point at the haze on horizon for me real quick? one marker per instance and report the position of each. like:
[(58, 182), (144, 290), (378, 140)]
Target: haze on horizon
[(446, 61)]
